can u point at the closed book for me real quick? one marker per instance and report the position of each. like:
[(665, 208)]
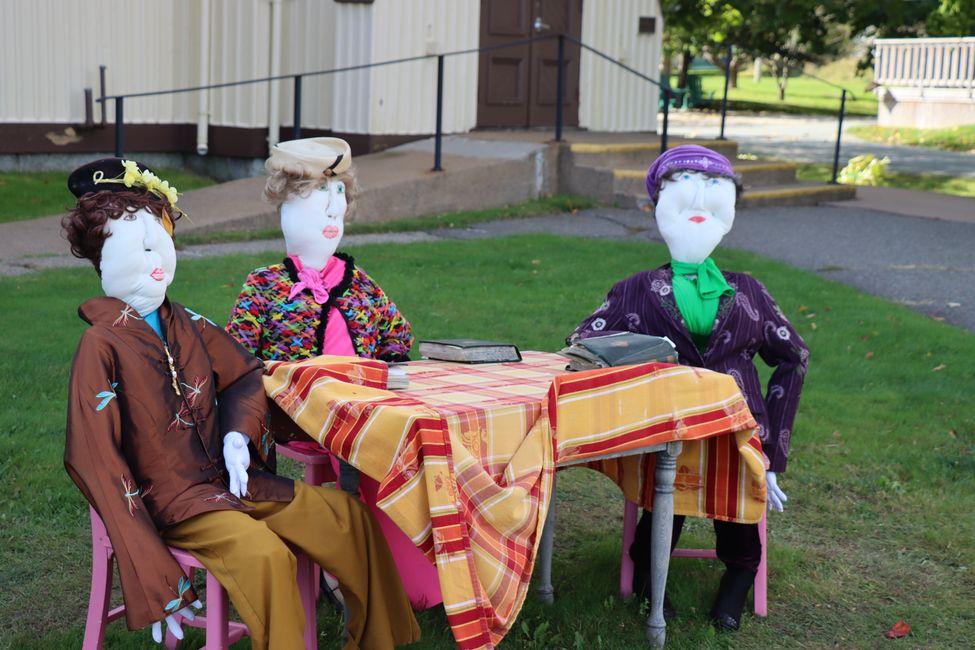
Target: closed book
[(620, 349), (469, 351)]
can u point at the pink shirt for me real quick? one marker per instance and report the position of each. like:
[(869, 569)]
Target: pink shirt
[(337, 337)]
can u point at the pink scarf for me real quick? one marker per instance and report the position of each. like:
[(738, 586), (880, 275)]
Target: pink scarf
[(319, 282), (337, 337)]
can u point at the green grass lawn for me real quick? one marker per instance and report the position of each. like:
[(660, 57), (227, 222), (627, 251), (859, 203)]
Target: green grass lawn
[(803, 95), (881, 480), (26, 195), (955, 185), (531, 208), (952, 138)]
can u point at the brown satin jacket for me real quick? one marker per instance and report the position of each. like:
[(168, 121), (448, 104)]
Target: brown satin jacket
[(144, 440)]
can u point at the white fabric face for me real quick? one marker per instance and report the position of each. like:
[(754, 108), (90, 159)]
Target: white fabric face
[(138, 260), (694, 212), (313, 224)]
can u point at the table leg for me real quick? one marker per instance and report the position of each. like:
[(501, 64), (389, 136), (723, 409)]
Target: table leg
[(545, 591), (662, 527)]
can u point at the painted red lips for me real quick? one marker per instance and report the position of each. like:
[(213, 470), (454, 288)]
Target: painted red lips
[(158, 274), (698, 219), (330, 232)]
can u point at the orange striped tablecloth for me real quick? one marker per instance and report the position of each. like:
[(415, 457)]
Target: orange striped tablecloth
[(465, 456)]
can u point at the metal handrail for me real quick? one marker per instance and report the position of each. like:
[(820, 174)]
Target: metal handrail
[(839, 129), (667, 92), (297, 78)]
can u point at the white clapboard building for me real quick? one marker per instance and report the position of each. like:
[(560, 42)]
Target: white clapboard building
[(59, 56)]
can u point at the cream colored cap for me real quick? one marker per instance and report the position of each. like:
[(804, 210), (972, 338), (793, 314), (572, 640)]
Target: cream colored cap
[(311, 157)]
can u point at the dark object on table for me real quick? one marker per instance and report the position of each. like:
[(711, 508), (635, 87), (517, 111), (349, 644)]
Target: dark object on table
[(620, 349), (469, 351)]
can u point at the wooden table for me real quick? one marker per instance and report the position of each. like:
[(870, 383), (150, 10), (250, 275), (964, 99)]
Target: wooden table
[(466, 455)]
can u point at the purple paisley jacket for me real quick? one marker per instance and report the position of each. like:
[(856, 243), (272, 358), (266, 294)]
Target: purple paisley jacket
[(748, 323)]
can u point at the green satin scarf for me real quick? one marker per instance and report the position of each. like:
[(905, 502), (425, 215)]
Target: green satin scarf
[(698, 289)]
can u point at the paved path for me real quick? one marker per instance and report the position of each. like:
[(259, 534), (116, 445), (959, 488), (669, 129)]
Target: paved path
[(808, 138)]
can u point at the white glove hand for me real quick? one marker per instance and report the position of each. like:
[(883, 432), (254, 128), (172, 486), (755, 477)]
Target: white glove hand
[(237, 459), (776, 497), (173, 625)]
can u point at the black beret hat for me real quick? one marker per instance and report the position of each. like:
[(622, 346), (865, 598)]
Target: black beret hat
[(82, 180)]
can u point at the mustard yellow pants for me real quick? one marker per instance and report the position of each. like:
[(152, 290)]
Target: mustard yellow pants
[(245, 551)]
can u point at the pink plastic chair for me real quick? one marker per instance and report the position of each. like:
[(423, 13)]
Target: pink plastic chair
[(759, 591), (315, 458), (220, 632), (419, 575)]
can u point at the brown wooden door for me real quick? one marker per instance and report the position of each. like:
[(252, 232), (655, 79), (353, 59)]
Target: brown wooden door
[(517, 85)]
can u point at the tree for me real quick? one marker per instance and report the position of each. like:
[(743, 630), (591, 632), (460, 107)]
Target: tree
[(696, 27), (952, 18), (787, 34), (888, 19)]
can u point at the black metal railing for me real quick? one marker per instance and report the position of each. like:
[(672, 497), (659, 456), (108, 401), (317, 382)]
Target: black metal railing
[(839, 128), (297, 78)]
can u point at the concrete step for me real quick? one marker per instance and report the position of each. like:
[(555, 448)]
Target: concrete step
[(806, 193), (631, 155), (753, 173), (802, 193)]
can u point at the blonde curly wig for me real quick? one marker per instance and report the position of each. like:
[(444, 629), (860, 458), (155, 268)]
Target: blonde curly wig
[(281, 186)]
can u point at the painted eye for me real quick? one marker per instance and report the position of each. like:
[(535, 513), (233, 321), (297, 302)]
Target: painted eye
[(714, 181), (685, 177), (341, 189), (130, 216)]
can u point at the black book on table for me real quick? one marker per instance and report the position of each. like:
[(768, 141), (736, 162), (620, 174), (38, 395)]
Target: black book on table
[(469, 351), (619, 349)]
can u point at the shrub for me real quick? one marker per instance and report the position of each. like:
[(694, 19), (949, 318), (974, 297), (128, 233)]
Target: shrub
[(864, 170)]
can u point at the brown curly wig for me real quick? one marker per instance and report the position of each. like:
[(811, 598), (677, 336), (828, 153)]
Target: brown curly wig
[(84, 226)]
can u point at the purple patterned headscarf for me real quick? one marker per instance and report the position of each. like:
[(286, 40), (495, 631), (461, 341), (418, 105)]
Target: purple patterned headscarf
[(686, 156)]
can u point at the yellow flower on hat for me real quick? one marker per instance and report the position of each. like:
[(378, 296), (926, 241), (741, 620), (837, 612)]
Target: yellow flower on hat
[(134, 177), (132, 173)]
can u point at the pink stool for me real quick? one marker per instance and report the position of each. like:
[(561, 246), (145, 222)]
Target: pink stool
[(760, 590), (220, 632), (419, 575)]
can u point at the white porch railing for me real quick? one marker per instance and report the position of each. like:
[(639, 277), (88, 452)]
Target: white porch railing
[(925, 62)]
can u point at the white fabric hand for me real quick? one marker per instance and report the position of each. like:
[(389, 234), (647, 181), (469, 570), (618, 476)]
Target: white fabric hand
[(173, 625), (237, 459), (776, 497)]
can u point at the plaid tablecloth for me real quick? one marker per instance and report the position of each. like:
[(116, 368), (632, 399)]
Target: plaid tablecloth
[(465, 456)]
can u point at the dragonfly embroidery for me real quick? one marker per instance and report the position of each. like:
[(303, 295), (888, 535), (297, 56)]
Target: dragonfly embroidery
[(222, 496), (181, 588), (124, 315), (196, 316), (130, 491), (180, 421), (266, 440), (193, 390), (106, 396)]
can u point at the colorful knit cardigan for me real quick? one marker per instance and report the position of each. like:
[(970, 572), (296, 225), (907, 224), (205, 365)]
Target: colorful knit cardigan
[(273, 327)]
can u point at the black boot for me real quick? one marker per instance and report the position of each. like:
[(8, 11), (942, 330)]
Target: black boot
[(730, 601)]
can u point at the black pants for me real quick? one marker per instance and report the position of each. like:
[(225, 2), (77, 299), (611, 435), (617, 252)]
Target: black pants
[(737, 545)]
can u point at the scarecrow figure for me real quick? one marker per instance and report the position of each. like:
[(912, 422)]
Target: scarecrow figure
[(166, 439), (719, 321), (318, 301)]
